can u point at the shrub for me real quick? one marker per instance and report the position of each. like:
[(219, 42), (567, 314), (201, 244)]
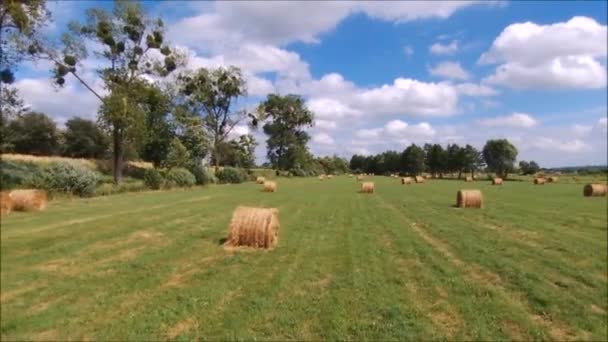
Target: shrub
[(130, 187), (232, 175), (201, 174), (298, 172), (179, 177), (134, 171), (153, 179), (67, 178), (105, 189), (14, 174)]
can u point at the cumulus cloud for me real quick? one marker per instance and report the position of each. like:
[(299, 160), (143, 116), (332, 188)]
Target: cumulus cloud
[(473, 89), (561, 55), (444, 49), (521, 120), (398, 130), (581, 129), (603, 122), (450, 70), (570, 146), (322, 138)]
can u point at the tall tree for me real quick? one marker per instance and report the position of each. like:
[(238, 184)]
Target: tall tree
[(472, 160), (130, 43), (357, 163), (435, 159), (212, 94), (84, 139), (159, 126), (500, 156), (34, 133), (412, 160), (286, 117), (177, 156)]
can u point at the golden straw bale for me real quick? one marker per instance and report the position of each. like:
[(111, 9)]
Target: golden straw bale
[(419, 179), (406, 180), (254, 227), (359, 178), (321, 177), (540, 181), (552, 179), (428, 176), (330, 176), (595, 190), (497, 181), (6, 204), (367, 187), (260, 180), (469, 199), (468, 179), (270, 186), (28, 200)]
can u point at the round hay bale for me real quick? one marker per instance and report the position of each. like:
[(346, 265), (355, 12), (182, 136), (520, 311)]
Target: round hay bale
[(539, 181), (367, 187), (595, 190), (269, 186), (330, 176), (321, 177), (28, 200), (359, 178), (254, 227), (419, 179), (406, 180), (260, 180), (468, 179), (428, 176), (497, 181), (469, 199), (6, 204), (552, 179)]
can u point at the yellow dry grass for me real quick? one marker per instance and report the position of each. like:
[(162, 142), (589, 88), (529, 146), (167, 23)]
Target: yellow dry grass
[(88, 163), (254, 227), (6, 204), (28, 200)]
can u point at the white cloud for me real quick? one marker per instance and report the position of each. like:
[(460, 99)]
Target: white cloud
[(450, 70), (444, 49), (581, 129), (603, 122), (368, 133), (323, 139), (472, 89), (397, 130), (326, 108), (325, 124), (551, 144), (521, 120), (561, 55), (408, 50)]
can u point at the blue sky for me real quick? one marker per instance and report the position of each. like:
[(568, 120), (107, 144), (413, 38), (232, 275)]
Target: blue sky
[(381, 75)]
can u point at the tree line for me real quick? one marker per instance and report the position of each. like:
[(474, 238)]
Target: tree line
[(497, 156)]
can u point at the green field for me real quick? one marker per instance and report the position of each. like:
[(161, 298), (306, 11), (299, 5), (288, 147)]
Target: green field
[(402, 263)]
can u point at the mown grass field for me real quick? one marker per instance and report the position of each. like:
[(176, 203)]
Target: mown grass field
[(402, 263)]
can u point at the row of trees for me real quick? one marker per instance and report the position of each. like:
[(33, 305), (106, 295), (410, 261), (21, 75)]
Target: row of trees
[(497, 156), (144, 108)]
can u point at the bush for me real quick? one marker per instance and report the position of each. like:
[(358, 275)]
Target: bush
[(202, 175), (107, 189), (153, 179), (66, 178), (14, 174), (179, 177), (134, 171), (232, 175), (298, 172)]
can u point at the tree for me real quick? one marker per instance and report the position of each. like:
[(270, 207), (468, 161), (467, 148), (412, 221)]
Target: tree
[(500, 156), (435, 159), (454, 159), (159, 128), (11, 106), (472, 159), (528, 168), (130, 43), (84, 139), (357, 163), (286, 116), (177, 156), (523, 167), (212, 94), (412, 160), (238, 152), (34, 133)]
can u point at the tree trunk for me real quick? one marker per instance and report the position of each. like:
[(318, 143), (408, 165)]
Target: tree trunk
[(117, 156)]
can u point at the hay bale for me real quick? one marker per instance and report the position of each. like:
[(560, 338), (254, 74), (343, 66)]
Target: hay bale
[(428, 176), (28, 200), (552, 179), (497, 181), (406, 180), (260, 180), (269, 186), (367, 187), (468, 179), (321, 177), (539, 181), (469, 199), (6, 204), (419, 179), (595, 190), (359, 178), (254, 227), (330, 176)]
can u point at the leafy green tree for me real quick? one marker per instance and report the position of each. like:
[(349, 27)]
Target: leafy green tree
[(454, 159), (11, 106), (131, 44), (528, 168), (357, 163), (435, 159), (212, 94), (412, 160), (500, 156), (286, 117), (84, 139), (472, 160), (34, 133), (159, 128), (178, 155)]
